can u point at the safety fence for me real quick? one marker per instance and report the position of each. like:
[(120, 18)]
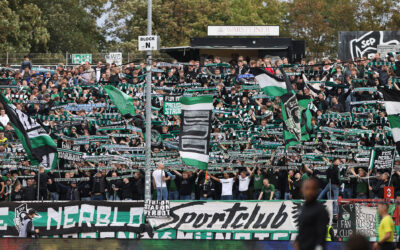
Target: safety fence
[(71, 58)]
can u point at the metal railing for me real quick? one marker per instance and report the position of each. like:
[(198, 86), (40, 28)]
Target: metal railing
[(52, 59)]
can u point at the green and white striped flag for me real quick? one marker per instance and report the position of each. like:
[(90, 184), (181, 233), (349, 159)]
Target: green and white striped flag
[(39, 146), (391, 99), (194, 137), (271, 85)]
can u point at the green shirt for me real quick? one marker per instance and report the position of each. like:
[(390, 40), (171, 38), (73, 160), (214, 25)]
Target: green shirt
[(267, 191), (304, 177), (172, 185), (258, 182), (362, 188)]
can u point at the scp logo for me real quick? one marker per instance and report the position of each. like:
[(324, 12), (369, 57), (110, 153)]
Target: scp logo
[(367, 44)]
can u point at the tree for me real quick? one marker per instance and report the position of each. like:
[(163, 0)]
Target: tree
[(176, 21), (21, 27), (71, 25)]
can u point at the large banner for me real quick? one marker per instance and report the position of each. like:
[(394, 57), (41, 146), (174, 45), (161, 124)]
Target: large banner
[(75, 219), (356, 44), (233, 217), (222, 220)]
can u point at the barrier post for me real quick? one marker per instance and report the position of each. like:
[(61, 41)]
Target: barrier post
[(148, 109)]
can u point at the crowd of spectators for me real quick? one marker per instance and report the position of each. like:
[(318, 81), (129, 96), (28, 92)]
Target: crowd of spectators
[(247, 156)]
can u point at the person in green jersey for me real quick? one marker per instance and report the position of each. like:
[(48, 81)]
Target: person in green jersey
[(267, 191)]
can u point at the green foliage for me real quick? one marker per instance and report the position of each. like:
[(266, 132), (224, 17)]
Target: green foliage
[(55, 26), (70, 25), (179, 20)]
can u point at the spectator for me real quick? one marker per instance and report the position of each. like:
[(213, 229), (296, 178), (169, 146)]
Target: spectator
[(227, 185), (26, 64), (185, 184), (159, 182), (244, 181), (3, 118), (207, 189), (98, 187), (267, 191)]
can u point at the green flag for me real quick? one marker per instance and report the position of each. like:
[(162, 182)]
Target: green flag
[(38, 145), (270, 84), (122, 101)]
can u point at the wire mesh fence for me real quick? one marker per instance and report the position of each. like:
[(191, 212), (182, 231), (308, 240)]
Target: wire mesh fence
[(52, 59)]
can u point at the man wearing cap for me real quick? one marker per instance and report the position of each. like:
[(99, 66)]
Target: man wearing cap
[(27, 230)]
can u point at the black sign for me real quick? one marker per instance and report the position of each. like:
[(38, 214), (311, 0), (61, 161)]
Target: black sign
[(357, 44), (346, 220), (382, 158)]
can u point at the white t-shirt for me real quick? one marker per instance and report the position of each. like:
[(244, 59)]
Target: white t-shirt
[(4, 120), (157, 175), (227, 185), (244, 183)]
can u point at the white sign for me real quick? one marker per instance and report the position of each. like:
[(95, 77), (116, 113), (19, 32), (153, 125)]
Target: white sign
[(147, 43), (115, 57), (233, 216), (385, 49), (243, 30)]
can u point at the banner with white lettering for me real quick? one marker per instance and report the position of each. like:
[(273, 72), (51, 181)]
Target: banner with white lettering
[(75, 218), (232, 217), (382, 158)]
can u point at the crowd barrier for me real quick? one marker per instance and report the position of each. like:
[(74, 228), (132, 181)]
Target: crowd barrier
[(189, 220)]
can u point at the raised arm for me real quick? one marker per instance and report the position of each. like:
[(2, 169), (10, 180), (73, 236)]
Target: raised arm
[(214, 178), (308, 170), (177, 173), (250, 172)]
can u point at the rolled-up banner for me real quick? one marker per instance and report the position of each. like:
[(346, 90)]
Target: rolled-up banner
[(194, 138)]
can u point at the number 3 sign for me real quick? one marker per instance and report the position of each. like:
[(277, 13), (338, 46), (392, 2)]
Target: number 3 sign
[(388, 192)]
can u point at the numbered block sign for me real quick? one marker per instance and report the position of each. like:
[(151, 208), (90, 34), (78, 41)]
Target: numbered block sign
[(389, 192)]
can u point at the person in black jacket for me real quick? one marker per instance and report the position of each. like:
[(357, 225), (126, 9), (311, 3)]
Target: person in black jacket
[(139, 186), (185, 185), (332, 187), (30, 191), (127, 189), (207, 189), (73, 192), (113, 188), (313, 219), (99, 187), (17, 194), (296, 187), (377, 185), (44, 180)]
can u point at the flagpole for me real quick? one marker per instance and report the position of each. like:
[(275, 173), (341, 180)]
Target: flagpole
[(147, 195), (38, 185)]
